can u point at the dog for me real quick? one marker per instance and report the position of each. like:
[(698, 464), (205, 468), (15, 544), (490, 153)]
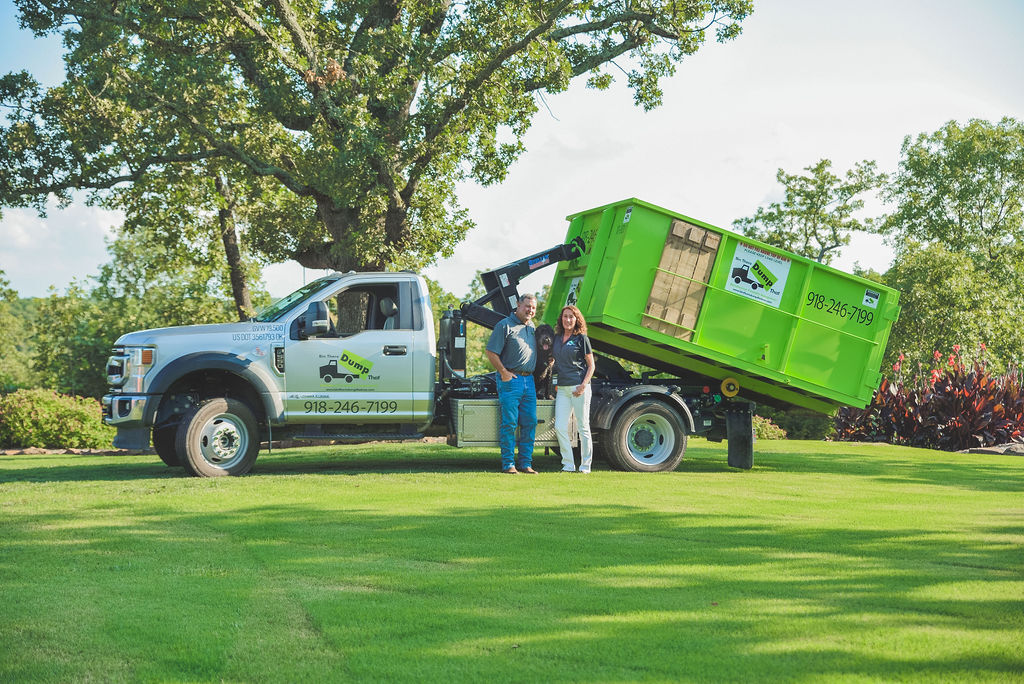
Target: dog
[(545, 336)]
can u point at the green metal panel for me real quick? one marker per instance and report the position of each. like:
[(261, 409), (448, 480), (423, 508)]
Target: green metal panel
[(789, 329)]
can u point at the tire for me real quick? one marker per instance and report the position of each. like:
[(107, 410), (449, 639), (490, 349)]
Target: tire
[(646, 436), (327, 378), (165, 444), (218, 437)]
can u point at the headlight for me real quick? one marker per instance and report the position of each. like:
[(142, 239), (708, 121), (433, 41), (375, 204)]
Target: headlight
[(128, 366)]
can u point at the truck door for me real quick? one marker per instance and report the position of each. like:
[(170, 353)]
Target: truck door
[(359, 372)]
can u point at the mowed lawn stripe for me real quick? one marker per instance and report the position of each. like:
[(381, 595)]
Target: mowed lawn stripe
[(418, 561)]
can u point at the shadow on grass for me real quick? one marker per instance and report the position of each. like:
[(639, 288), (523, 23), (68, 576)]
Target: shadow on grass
[(882, 462), (516, 593), (896, 464), (333, 459)]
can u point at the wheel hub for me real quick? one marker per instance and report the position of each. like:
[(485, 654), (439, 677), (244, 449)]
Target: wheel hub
[(222, 441), (643, 438)]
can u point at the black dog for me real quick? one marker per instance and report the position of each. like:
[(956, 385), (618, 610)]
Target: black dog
[(545, 336)]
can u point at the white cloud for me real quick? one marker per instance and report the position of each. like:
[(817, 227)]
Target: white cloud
[(37, 253)]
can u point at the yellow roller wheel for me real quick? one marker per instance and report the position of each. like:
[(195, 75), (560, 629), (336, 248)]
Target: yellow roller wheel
[(730, 387)]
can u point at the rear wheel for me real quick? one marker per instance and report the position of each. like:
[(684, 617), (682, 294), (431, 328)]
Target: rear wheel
[(218, 437), (164, 443), (646, 436)]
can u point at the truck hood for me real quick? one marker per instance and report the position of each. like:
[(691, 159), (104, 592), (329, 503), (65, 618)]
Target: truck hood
[(156, 335)]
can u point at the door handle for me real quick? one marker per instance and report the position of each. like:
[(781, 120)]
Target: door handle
[(395, 350)]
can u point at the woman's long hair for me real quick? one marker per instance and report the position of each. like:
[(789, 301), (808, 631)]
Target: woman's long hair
[(581, 323)]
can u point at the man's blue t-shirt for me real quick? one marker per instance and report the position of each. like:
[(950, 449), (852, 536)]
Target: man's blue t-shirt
[(514, 343)]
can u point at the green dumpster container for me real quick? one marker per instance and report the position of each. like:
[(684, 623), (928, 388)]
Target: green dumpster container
[(714, 307)]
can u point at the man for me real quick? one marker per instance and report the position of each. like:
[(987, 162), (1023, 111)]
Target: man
[(512, 350)]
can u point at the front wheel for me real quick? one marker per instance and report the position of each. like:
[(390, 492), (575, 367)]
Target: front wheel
[(164, 443), (218, 437), (646, 436)]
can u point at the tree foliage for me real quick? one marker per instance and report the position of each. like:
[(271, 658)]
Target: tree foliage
[(149, 282), (15, 347), (817, 215), (947, 299), (365, 114), (961, 187)]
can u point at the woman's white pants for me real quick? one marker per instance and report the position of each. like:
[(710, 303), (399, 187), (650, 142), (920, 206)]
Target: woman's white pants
[(566, 404)]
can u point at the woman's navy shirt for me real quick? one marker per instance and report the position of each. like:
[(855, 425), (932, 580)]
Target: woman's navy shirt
[(570, 361)]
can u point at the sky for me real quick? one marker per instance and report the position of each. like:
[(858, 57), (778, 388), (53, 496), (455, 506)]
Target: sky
[(806, 80)]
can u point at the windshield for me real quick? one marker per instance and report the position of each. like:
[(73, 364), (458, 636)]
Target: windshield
[(283, 305)]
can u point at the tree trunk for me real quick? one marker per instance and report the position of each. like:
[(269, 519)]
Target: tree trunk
[(239, 288)]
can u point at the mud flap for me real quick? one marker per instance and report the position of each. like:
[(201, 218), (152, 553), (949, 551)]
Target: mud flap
[(739, 427)]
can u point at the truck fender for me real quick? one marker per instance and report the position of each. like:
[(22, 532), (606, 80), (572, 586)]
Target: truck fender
[(601, 417), (258, 377)]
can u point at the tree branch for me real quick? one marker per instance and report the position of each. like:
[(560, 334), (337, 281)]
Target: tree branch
[(110, 181), (258, 29), (291, 22), (460, 102)]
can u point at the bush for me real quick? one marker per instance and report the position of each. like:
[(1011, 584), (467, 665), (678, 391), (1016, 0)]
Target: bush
[(43, 418), (953, 407), (799, 423), (764, 428)]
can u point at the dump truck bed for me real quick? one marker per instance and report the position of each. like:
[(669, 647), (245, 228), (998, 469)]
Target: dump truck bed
[(706, 304)]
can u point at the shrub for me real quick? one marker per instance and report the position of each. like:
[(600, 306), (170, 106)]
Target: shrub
[(955, 406), (799, 423), (43, 418), (764, 428)]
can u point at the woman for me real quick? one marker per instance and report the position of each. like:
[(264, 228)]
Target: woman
[(574, 367)]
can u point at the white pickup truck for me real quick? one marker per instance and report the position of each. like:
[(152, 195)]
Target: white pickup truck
[(354, 357)]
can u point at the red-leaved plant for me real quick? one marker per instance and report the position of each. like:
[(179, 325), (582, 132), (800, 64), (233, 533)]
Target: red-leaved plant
[(954, 406)]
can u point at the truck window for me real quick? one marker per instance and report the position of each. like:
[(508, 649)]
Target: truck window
[(365, 308)]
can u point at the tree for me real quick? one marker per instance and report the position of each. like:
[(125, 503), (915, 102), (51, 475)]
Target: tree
[(149, 282), (189, 215), (947, 300), (961, 187), (15, 354), (817, 216), (365, 114)]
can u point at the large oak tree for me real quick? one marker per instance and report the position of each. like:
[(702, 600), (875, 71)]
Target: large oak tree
[(353, 119)]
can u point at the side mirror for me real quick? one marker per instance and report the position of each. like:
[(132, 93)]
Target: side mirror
[(315, 321)]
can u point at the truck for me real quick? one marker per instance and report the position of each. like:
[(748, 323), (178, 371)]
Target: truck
[(355, 357)]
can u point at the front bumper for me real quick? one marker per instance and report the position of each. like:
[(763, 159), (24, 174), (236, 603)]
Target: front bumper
[(125, 410)]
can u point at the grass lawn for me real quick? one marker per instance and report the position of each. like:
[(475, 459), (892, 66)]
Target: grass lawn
[(419, 562)]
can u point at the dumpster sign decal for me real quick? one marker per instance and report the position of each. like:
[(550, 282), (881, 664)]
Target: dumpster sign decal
[(574, 292), (758, 274)]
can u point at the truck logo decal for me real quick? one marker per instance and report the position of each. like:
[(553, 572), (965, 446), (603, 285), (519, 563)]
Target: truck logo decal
[(355, 362), (758, 274), (348, 367)]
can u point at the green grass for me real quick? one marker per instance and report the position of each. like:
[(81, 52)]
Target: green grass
[(421, 562)]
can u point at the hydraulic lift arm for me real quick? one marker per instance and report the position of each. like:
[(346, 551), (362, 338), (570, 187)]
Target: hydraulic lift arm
[(501, 283), (502, 295)]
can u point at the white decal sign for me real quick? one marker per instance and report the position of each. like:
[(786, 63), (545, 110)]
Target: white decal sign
[(758, 274), (574, 292)]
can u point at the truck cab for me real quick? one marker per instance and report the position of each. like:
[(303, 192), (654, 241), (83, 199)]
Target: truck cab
[(348, 355)]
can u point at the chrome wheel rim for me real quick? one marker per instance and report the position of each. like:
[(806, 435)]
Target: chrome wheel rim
[(224, 440), (650, 439)]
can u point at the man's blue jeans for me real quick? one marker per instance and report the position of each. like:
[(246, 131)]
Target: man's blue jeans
[(517, 400)]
